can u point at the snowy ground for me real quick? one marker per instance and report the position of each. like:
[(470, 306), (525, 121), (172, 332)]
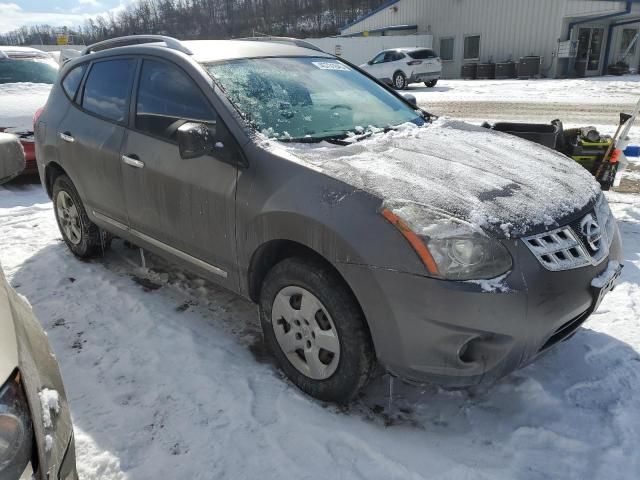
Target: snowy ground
[(598, 90), (595, 101), (167, 378), (166, 375)]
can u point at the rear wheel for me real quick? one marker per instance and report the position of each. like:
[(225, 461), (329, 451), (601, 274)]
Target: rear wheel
[(84, 238), (399, 81), (316, 330), (431, 83)]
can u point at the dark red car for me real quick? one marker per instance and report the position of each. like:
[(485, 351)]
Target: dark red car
[(26, 77)]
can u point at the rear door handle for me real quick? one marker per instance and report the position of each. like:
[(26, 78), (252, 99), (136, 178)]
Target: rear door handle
[(67, 137), (133, 161)]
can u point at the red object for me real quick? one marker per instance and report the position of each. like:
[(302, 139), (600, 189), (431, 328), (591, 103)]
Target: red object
[(615, 156), (36, 116), (29, 157)]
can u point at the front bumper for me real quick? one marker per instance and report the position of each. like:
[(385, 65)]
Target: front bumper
[(456, 334)]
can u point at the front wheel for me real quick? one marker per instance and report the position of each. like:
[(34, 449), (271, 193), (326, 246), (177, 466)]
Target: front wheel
[(431, 83), (316, 330), (84, 238), (399, 81)]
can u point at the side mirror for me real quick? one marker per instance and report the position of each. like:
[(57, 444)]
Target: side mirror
[(411, 99), (12, 161), (195, 140)]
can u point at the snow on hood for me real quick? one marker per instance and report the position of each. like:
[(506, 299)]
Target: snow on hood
[(18, 104), (490, 179)]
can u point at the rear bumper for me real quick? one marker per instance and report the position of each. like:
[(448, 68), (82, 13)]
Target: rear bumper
[(424, 77), (457, 335)]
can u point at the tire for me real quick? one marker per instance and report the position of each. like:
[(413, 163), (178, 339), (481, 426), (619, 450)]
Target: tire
[(83, 237), (345, 367), (399, 81), (431, 83)]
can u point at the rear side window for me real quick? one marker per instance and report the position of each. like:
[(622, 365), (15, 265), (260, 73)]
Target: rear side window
[(393, 56), (167, 98), (72, 81), (423, 54), (107, 88)]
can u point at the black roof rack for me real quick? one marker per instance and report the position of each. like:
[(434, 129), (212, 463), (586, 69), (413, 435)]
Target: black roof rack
[(170, 42)]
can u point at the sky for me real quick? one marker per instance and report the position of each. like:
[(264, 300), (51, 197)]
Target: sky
[(15, 13)]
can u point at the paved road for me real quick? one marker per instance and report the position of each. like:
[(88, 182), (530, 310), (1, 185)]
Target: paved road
[(580, 114)]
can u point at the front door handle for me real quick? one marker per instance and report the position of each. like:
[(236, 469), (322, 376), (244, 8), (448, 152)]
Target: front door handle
[(67, 137), (133, 161)]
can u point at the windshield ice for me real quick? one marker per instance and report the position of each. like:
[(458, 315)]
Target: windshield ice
[(308, 98)]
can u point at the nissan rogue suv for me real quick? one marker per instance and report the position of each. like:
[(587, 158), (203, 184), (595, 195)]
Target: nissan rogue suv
[(367, 231)]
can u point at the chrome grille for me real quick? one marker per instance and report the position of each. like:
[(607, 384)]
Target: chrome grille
[(583, 242)]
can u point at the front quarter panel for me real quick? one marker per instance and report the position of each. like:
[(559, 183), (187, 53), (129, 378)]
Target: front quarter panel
[(282, 199)]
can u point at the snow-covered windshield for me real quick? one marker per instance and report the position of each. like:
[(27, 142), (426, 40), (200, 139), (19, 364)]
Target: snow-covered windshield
[(308, 98), (32, 69)]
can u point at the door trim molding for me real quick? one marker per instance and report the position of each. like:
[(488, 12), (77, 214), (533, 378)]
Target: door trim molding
[(163, 246)]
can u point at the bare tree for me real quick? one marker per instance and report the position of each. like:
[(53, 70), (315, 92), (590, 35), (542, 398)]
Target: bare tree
[(197, 19)]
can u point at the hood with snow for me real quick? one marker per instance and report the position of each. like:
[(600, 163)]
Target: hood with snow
[(18, 104), (492, 180)]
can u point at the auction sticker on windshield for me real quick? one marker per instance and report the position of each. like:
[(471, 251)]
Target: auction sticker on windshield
[(331, 66)]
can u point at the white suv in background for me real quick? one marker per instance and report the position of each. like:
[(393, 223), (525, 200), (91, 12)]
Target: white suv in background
[(401, 66)]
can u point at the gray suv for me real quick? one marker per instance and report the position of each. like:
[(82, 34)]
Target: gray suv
[(367, 231)]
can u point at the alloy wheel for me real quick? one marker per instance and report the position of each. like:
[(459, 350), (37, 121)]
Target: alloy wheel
[(69, 217), (305, 332)]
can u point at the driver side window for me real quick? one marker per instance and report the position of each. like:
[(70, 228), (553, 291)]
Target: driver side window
[(167, 98)]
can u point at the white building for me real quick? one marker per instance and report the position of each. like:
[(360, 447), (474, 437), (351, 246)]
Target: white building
[(468, 31)]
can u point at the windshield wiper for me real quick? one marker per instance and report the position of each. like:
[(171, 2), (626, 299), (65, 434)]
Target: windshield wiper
[(342, 139)]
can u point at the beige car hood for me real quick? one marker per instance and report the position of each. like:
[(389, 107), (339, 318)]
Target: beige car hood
[(8, 343)]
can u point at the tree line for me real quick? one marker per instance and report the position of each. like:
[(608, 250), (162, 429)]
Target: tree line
[(206, 19)]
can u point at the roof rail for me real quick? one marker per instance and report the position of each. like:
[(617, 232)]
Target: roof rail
[(170, 42), (286, 40)]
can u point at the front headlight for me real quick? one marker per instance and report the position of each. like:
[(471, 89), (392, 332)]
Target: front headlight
[(450, 249), (16, 430)]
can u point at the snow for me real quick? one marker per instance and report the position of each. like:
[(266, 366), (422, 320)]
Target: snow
[(601, 280), (481, 176), (49, 401), (48, 442), (18, 104), (12, 155), (597, 90), (174, 381), (492, 285)]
